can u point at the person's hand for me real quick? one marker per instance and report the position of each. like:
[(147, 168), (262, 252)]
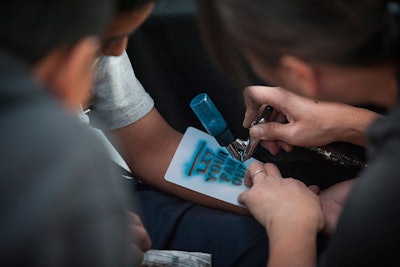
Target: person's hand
[(141, 237), (300, 121), (279, 203), (332, 201)]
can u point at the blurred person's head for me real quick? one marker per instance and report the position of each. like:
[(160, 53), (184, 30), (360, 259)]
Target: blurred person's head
[(326, 49), (57, 40), (130, 15)]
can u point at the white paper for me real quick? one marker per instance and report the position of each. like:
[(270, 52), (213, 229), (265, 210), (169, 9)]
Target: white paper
[(202, 165)]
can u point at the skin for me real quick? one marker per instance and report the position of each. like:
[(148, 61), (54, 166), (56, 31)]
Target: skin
[(332, 201), (68, 72), (143, 137), (297, 114), (114, 43), (292, 225), (318, 82), (124, 24), (315, 82), (142, 239)]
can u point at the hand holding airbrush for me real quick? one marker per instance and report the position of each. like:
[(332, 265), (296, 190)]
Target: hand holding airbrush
[(242, 150), (330, 154)]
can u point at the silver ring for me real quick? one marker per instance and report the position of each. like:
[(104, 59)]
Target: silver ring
[(256, 172)]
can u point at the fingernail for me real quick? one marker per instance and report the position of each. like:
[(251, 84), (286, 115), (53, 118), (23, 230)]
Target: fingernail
[(257, 131)]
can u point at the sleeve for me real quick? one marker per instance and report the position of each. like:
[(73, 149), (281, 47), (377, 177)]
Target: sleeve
[(119, 98), (368, 232)]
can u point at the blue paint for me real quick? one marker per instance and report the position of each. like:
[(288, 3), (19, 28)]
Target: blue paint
[(214, 166)]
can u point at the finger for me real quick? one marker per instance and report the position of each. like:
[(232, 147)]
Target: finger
[(137, 256), (285, 146), (142, 238), (271, 146), (255, 170), (249, 116), (277, 97), (280, 118), (135, 219), (247, 180), (271, 131), (242, 197), (255, 97), (254, 166), (314, 188), (272, 170)]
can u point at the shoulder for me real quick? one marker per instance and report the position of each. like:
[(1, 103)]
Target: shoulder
[(45, 146), (385, 132), (384, 148), (56, 178), (115, 65)]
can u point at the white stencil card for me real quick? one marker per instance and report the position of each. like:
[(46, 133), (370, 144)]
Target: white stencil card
[(202, 165)]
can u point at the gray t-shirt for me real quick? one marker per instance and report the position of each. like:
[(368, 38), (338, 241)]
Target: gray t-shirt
[(119, 98)]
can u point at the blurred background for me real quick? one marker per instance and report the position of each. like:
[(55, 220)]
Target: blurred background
[(173, 65)]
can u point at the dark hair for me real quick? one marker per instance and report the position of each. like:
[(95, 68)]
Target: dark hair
[(30, 29), (127, 5), (345, 32)]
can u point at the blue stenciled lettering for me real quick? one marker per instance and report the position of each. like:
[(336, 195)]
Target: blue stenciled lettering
[(241, 170), (216, 166), (224, 177), (230, 166), (210, 177), (205, 162), (221, 157)]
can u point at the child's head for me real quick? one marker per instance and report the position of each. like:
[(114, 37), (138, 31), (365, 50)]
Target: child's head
[(30, 29), (130, 15), (58, 40)]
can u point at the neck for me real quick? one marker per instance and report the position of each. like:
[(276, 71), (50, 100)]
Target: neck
[(375, 86)]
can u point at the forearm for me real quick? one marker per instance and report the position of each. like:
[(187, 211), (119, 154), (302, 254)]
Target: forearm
[(148, 146), (355, 122), (292, 247), (301, 121), (146, 142)]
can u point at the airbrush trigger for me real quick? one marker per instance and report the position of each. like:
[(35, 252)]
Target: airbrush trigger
[(252, 143), (216, 126)]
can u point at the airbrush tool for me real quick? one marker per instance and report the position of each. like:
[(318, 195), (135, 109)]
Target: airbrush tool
[(242, 150), (215, 125), (335, 156)]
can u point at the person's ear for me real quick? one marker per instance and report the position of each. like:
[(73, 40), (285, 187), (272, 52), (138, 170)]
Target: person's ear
[(299, 76), (72, 80)]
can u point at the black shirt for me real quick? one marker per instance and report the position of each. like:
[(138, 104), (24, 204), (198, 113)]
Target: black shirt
[(368, 233)]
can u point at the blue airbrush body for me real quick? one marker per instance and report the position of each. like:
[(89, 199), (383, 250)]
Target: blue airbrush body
[(215, 124)]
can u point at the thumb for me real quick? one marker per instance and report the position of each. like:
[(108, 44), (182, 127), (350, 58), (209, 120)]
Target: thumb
[(270, 131)]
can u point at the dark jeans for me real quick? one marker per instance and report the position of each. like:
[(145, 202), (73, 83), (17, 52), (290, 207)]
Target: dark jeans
[(175, 224), (232, 239)]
